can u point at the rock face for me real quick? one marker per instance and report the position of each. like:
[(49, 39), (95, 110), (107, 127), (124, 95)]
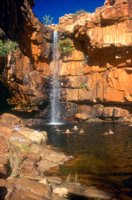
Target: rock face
[(24, 160), (18, 22), (23, 74), (100, 68), (99, 111), (105, 38)]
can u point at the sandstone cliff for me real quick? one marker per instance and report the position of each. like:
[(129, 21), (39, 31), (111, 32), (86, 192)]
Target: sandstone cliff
[(18, 23), (100, 68), (105, 39), (22, 74), (99, 71)]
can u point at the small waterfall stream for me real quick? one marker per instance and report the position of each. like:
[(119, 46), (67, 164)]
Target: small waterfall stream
[(55, 83)]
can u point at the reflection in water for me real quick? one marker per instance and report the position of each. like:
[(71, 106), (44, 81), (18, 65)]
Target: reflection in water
[(100, 160)]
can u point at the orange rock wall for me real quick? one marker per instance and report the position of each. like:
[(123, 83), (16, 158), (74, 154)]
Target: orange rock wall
[(105, 38), (25, 70), (99, 69), (97, 84)]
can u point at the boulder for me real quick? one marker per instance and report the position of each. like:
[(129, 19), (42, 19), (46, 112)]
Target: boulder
[(102, 112), (28, 189), (82, 116), (33, 135), (51, 159), (11, 119), (62, 192)]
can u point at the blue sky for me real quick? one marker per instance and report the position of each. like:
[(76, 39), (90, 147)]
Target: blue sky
[(57, 8)]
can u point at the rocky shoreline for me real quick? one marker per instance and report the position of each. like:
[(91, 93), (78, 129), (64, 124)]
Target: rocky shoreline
[(25, 158)]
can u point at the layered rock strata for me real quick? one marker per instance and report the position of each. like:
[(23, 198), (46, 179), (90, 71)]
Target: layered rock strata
[(100, 68), (24, 69)]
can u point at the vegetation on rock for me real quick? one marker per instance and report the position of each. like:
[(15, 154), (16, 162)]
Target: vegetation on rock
[(66, 47), (7, 46), (84, 86), (78, 12)]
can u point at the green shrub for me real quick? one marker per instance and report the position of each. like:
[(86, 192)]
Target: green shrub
[(7, 46), (47, 19), (1, 47), (66, 47)]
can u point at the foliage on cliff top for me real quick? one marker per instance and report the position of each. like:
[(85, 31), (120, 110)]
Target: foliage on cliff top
[(7, 46), (47, 19), (78, 12), (66, 47)]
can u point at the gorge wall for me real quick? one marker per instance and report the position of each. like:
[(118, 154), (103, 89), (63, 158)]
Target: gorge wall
[(97, 73), (23, 73), (17, 22), (100, 69)]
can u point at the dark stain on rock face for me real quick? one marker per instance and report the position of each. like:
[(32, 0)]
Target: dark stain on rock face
[(13, 17), (3, 192)]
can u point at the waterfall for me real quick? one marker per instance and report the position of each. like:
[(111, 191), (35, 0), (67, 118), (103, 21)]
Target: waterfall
[(55, 83)]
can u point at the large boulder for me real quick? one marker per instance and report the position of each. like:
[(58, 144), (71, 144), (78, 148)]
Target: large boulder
[(11, 119)]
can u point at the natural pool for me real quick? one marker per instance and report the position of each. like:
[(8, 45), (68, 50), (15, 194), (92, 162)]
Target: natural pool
[(101, 160)]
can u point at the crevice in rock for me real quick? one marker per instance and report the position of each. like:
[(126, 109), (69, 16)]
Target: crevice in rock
[(3, 193), (4, 95), (112, 2)]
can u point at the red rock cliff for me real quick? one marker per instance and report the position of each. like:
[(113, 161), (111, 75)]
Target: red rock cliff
[(23, 74), (18, 23), (100, 69)]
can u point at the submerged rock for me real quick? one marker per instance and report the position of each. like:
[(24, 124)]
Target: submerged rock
[(51, 159)]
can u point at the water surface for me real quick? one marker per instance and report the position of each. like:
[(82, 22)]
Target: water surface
[(103, 161)]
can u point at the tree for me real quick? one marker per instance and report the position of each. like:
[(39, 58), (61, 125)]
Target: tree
[(47, 19)]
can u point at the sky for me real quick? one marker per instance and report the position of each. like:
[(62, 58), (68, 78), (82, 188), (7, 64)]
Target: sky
[(58, 8)]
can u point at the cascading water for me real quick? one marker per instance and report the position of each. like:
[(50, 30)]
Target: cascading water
[(55, 83)]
